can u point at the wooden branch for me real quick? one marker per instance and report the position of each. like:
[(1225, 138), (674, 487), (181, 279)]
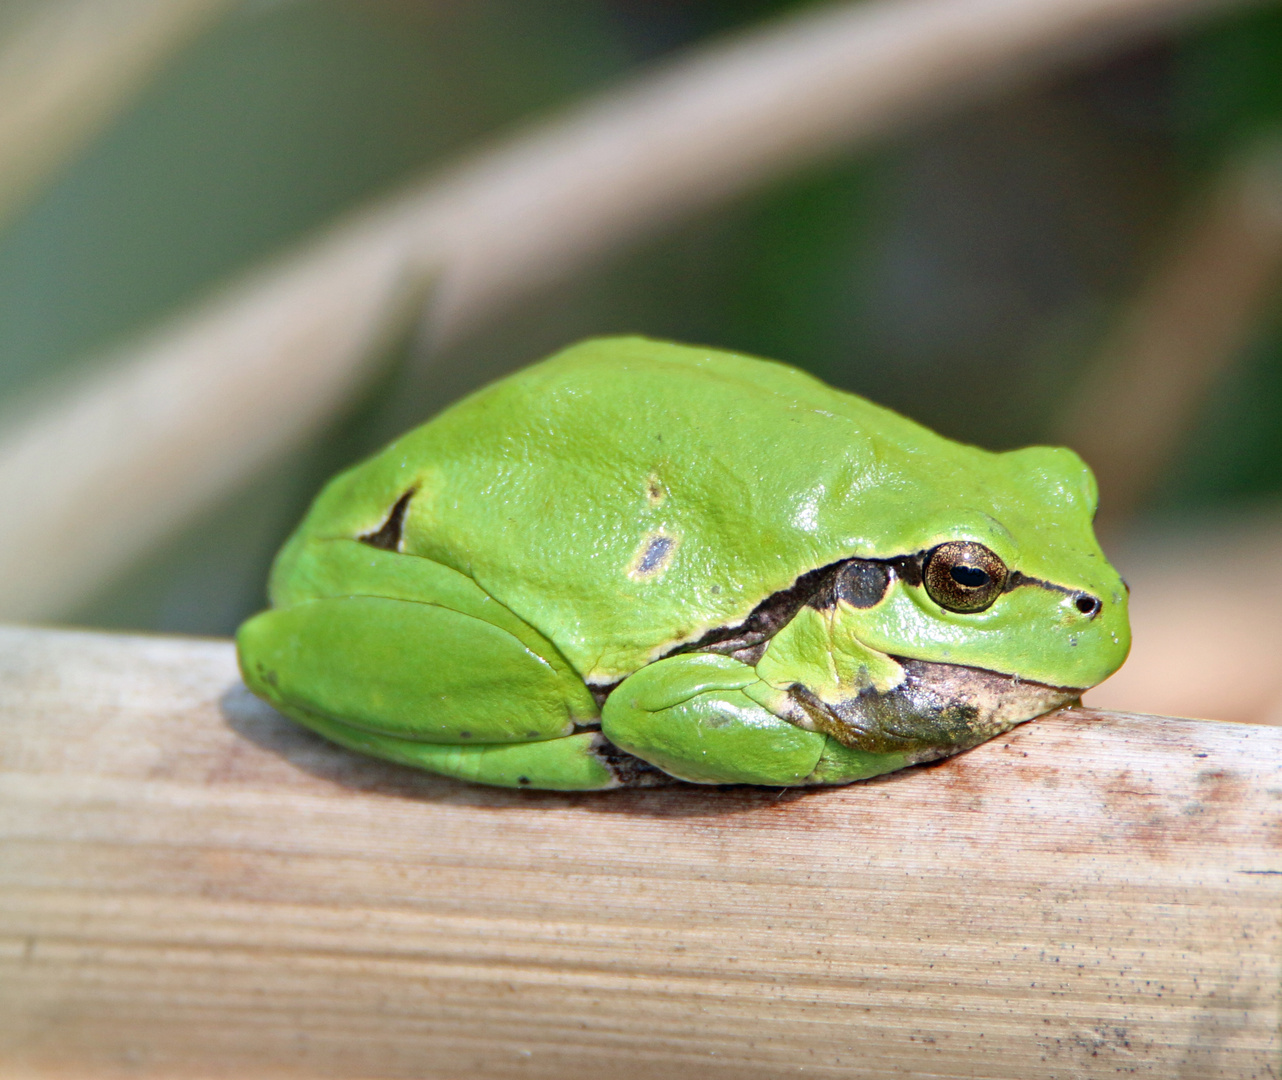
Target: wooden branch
[(192, 886), (157, 434)]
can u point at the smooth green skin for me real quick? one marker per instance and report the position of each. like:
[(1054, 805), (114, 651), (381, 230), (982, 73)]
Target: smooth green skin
[(522, 572)]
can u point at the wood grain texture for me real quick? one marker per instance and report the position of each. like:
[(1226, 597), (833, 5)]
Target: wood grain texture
[(192, 886)]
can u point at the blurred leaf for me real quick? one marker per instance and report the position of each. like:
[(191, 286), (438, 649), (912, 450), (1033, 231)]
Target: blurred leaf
[(264, 129)]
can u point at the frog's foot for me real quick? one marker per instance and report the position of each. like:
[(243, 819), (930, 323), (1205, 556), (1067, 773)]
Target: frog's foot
[(689, 715), (707, 718), (935, 711)]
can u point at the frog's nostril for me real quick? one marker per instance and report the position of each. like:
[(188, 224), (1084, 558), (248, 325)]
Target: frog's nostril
[(1088, 605)]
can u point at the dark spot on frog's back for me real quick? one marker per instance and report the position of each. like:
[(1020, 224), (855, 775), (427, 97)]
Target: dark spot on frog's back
[(388, 535), (655, 554)]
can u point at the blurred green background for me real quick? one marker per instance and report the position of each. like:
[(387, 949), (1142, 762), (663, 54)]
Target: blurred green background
[(963, 272)]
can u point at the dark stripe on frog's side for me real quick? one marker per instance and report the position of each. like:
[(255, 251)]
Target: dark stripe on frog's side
[(860, 582), (765, 620), (1086, 603), (388, 535)]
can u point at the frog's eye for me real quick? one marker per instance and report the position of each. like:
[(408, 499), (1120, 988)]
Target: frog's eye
[(964, 576)]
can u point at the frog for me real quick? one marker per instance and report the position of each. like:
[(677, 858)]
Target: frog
[(639, 562)]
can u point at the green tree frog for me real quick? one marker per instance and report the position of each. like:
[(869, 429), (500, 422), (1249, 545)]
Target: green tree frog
[(640, 560)]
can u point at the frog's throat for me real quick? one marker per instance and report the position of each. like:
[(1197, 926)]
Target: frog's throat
[(937, 710)]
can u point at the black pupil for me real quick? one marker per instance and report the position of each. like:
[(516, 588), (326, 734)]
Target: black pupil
[(1086, 604), (970, 576)]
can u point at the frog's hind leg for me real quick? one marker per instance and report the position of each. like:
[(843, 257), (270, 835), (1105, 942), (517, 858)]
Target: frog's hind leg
[(433, 687)]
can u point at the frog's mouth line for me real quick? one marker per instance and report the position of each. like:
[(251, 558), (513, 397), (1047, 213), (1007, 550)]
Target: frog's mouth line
[(938, 710)]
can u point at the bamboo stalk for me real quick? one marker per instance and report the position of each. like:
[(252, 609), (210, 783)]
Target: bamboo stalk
[(192, 886), (168, 426)]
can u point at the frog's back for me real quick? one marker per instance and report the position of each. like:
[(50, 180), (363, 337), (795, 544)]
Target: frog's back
[(627, 495)]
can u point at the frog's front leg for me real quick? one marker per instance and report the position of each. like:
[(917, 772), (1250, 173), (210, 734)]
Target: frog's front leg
[(693, 716), (711, 719)]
